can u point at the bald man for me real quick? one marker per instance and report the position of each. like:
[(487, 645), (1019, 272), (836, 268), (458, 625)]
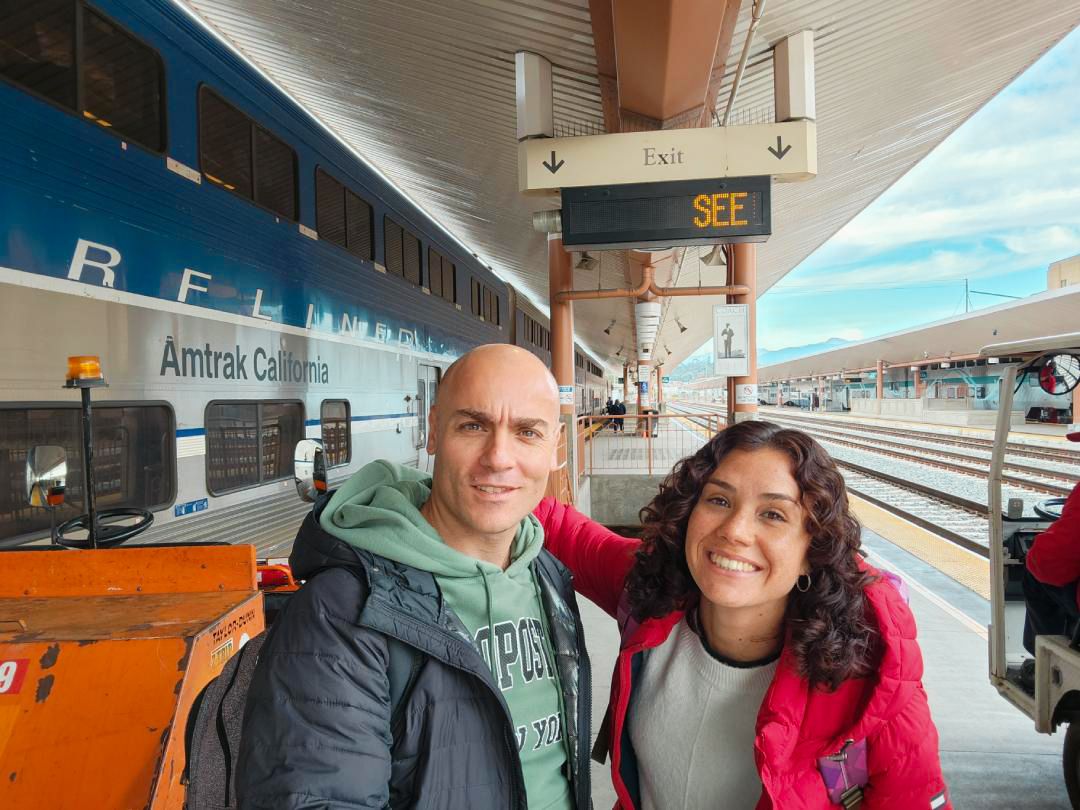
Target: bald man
[(435, 656)]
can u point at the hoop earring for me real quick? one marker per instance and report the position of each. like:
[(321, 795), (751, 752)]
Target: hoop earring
[(799, 585)]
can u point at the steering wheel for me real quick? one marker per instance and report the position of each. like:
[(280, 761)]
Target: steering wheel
[(1050, 509), (108, 536)]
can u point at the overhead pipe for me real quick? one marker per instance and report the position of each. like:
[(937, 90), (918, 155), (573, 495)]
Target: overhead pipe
[(648, 284), (755, 18)]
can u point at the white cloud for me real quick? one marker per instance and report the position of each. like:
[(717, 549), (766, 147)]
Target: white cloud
[(1058, 240)]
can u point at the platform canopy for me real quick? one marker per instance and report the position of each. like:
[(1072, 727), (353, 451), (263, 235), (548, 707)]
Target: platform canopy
[(1055, 312), (425, 91)]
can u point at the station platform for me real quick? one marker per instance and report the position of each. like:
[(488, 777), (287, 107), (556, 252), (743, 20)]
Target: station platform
[(1033, 431), (991, 755)]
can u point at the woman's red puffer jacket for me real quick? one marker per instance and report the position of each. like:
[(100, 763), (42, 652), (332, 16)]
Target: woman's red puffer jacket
[(796, 725)]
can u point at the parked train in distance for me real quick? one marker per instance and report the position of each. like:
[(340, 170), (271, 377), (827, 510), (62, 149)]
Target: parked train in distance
[(245, 278)]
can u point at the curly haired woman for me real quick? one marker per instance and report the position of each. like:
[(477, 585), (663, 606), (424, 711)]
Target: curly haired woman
[(755, 642)]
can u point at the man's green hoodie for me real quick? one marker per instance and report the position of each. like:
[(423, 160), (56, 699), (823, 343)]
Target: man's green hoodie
[(378, 509)]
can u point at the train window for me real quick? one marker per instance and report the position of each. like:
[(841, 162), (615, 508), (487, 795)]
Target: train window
[(275, 174), (476, 298), (225, 143), (411, 259), (449, 271), (122, 82), (249, 443), (442, 276), (330, 209), (434, 263), (134, 459), (336, 437), (342, 217), (236, 153), (360, 224), (37, 47), (491, 307), (392, 233)]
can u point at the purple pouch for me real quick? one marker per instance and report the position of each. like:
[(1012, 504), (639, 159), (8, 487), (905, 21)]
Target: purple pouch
[(897, 582), (845, 773)]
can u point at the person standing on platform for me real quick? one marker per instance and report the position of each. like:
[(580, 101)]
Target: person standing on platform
[(435, 656), (619, 409), (762, 664), (1052, 573)]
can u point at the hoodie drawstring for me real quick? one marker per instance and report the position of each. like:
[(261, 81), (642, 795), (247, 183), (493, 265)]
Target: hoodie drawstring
[(490, 623)]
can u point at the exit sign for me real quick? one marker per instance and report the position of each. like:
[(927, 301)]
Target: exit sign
[(672, 214)]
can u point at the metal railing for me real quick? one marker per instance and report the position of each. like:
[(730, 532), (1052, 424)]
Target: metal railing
[(643, 444)]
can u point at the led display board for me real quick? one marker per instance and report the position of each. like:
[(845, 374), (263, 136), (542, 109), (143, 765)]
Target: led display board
[(659, 215)]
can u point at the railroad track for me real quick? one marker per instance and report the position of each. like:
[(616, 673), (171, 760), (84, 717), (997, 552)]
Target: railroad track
[(934, 457), (1051, 454)]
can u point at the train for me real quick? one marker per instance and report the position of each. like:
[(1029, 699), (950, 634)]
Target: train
[(246, 278)]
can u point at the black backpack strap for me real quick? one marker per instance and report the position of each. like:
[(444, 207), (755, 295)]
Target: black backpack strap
[(213, 732), (212, 736)]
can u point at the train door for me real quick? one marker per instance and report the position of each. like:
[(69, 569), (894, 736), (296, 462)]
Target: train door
[(427, 382)]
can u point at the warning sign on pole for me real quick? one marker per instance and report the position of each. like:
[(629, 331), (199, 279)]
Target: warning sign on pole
[(746, 395)]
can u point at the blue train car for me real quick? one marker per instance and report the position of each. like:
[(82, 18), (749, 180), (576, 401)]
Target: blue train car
[(246, 278)]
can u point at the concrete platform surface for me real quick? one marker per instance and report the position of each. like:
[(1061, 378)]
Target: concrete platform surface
[(991, 755)]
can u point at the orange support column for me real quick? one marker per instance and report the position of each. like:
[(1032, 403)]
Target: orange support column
[(625, 382), (745, 272), (880, 379), (560, 278), (918, 381), (1076, 405)]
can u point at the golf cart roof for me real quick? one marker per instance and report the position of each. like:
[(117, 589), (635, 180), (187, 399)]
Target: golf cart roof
[(1069, 342)]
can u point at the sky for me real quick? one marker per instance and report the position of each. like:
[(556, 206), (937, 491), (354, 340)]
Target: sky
[(1004, 192)]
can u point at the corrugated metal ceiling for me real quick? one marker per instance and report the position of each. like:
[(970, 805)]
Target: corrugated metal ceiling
[(424, 90)]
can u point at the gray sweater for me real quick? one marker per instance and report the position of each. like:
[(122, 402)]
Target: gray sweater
[(692, 726)]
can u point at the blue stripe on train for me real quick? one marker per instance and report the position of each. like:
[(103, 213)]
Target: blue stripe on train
[(184, 432)]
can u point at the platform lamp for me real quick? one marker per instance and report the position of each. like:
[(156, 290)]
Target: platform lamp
[(84, 373), (610, 326), (679, 323)]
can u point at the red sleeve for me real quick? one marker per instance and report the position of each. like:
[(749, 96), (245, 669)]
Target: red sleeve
[(598, 558), (1054, 557)]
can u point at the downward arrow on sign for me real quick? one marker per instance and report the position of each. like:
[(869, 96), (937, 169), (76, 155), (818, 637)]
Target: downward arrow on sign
[(779, 151), (554, 167)]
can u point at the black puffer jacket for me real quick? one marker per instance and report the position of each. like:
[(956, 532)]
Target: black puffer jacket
[(318, 731)]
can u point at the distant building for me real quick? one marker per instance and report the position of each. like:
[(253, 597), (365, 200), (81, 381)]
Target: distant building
[(1065, 273)]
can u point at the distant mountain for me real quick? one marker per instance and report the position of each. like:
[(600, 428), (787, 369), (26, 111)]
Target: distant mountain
[(767, 358), (702, 365)]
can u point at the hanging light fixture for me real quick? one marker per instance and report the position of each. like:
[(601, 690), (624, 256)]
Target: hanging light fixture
[(609, 327), (715, 257), (681, 327), (586, 262)]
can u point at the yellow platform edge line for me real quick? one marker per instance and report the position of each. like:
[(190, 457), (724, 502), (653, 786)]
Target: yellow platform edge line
[(966, 567)]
